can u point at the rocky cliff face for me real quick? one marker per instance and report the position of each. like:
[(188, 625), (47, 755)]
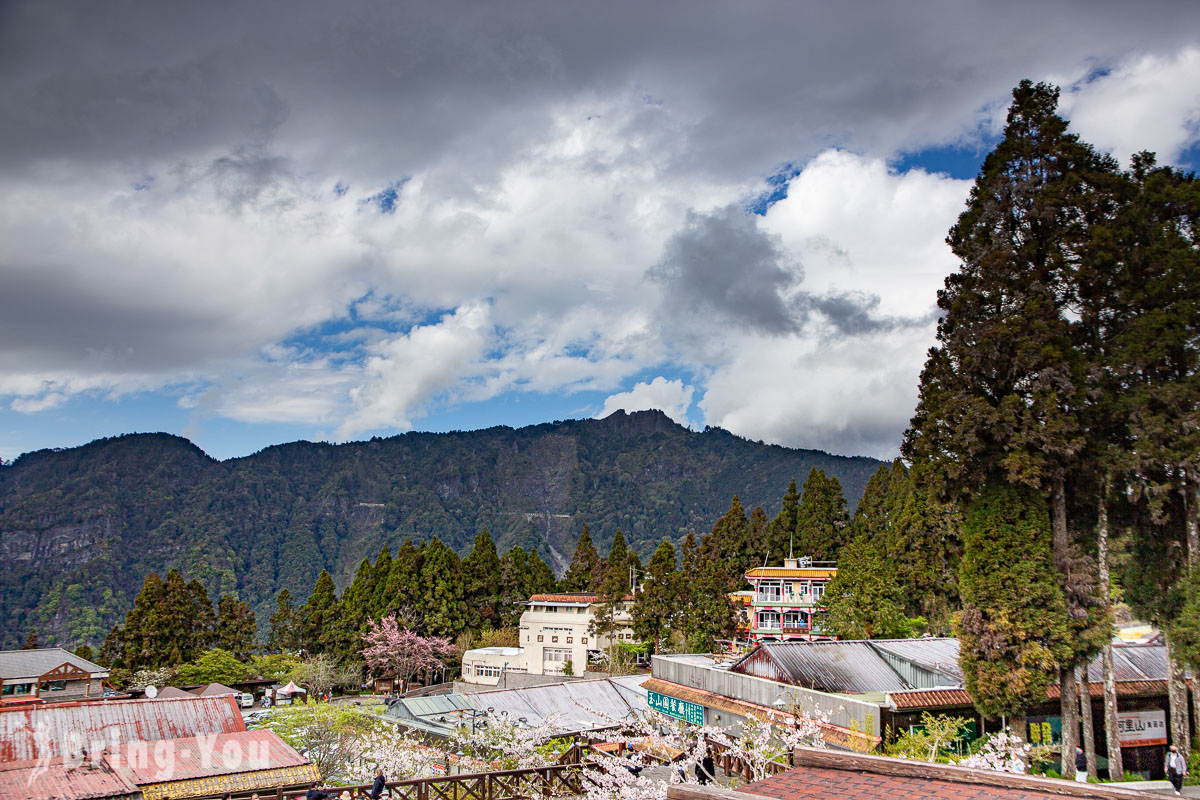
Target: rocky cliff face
[(80, 528)]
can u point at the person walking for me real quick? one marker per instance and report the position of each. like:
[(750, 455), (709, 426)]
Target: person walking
[(1081, 775), (1176, 768)]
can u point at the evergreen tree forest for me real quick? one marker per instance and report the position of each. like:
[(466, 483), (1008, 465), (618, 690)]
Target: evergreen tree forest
[(1058, 410), (82, 528)]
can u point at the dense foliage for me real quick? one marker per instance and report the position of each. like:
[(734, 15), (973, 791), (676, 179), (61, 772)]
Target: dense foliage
[(80, 529)]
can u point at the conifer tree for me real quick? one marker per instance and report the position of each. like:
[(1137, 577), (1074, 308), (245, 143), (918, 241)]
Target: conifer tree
[(541, 577), (443, 605), (581, 574), (864, 600), (781, 538), (283, 636), (514, 583), (355, 604), (727, 548), (481, 570), (619, 560), (822, 520), (656, 604), (380, 607), (403, 590), (236, 627), (317, 618), (1013, 627)]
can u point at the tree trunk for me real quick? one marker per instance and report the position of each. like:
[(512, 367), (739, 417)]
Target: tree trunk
[(1068, 699), (1070, 719), (1191, 521), (1085, 716), (1116, 767), (1181, 734)]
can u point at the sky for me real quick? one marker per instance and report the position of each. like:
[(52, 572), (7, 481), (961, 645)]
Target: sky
[(254, 222)]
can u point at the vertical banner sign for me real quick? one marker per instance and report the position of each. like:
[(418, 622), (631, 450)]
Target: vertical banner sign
[(691, 713), (1142, 728)]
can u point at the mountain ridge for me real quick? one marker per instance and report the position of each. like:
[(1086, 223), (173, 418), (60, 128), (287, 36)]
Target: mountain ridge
[(81, 527)]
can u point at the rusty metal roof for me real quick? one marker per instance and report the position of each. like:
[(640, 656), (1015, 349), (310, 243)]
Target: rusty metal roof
[(198, 757), (33, 780), (61, 729), (921, 699)]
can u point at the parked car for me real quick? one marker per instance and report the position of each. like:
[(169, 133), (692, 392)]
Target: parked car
[(246, 700)]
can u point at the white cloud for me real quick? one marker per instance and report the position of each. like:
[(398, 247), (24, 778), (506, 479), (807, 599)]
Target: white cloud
[(1149, 102), (668, 396)]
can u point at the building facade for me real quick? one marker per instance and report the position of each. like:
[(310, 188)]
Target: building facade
[(786, 599), (48, 675), (555, 631)]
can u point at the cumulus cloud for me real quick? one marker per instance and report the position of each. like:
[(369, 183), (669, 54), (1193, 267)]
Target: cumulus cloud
[(671, 397), (1149, 102), (349, 218)]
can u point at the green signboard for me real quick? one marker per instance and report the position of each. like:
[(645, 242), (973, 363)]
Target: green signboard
[(692, 713)]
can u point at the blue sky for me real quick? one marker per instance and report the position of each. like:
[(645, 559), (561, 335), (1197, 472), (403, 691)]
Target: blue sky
[(249, 225)]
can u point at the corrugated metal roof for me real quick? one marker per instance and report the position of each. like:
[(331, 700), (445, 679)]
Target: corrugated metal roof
[(937, 655), (849, 667), (60, 729), (33, 780), (197, 757), (573, 702), (959, 698), (15, 664)]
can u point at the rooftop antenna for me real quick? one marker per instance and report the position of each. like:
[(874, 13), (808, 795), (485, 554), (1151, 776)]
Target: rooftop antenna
[(791, 535)]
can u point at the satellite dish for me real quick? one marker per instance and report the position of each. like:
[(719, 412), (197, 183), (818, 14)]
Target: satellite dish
[(151, 692)]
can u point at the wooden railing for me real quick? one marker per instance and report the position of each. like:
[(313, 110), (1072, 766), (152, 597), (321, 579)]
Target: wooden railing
[(565, 777), (733, 765)]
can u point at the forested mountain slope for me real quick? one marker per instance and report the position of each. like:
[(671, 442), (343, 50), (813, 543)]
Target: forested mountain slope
[(80, 528)]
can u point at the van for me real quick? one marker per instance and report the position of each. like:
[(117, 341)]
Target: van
[(246, 700)]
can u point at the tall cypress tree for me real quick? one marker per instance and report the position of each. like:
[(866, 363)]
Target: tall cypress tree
[(1013, 627), (443, 604), (581, 574), (781, 537), (1001, 394), (284, 636), (317, 618), (822, 520), (481, 570), (656, 604), (236, 627), (541, 577)]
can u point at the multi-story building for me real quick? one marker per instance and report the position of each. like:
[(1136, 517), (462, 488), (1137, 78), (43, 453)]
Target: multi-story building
[(787, 598), (556, 629)]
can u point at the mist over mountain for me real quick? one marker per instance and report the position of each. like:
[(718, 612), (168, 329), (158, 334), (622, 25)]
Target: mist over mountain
[(80, 528)]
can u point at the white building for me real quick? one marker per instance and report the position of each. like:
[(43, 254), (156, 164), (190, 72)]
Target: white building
[(555, 630)]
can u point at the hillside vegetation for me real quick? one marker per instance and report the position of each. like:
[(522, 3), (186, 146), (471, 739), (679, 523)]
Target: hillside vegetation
[(81, 528)]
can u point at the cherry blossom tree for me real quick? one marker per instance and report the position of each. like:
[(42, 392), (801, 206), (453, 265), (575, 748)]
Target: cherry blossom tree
[(393, 649), (500, 741), (1001, 752)]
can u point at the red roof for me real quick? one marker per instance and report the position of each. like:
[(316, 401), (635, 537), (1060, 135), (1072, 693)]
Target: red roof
[(204, 756), (959, 698), (31, 780), (827, 774), (572, 597), (60, 729)]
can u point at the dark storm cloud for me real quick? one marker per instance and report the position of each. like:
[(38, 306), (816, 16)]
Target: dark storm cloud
[(723, 265), (385, 86)]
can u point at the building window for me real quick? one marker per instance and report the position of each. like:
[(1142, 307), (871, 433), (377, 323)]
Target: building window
[(485, 671), (769, 592), (551, 609), (818, 591), (555, 654), (53, 686), (768, 620), (17, 688), (539, 637)]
